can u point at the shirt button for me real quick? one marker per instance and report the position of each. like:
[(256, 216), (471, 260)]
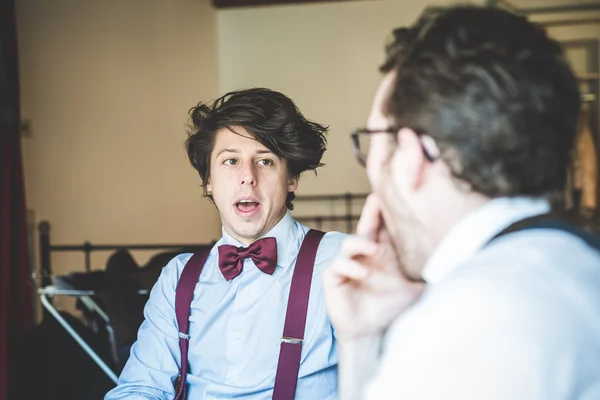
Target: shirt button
[(233, 381), (236, 335), (246, 292)]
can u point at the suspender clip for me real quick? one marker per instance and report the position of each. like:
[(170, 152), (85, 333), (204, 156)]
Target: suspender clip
[(183, 335), (291, 340)]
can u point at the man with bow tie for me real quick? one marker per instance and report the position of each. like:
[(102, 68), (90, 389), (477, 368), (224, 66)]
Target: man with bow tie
[(256, 327)]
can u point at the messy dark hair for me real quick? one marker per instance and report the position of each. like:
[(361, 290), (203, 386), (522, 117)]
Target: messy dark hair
[(271, 117), (495, 93)]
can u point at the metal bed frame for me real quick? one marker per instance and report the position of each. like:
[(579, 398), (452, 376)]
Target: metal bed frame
[(47, 290)]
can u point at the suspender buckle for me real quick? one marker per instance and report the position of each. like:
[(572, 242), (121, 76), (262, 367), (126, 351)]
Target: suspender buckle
[(183, 335), (291, 340)]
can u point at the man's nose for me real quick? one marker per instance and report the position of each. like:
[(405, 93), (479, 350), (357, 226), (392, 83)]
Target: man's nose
[(248, 175)]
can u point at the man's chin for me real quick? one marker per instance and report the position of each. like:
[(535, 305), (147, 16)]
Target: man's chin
[(249, 230)]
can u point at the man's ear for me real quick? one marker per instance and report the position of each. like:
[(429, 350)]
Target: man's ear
[(410, 157), (293, 183)]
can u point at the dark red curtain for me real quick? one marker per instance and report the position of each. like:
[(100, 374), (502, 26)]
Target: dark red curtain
[(16, 309)]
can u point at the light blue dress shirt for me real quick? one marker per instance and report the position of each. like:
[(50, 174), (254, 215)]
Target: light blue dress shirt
[(235, 329)]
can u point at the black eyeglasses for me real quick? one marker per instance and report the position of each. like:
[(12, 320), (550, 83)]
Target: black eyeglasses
[(361, 139)]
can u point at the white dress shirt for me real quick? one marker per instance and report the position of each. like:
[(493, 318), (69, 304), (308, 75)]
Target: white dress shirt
[(516, 319)]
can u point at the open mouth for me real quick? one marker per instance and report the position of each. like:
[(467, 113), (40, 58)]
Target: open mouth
[(247, 206)]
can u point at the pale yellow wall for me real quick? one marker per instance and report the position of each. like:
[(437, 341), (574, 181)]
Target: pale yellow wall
[(572, 33), (579, 55), (107, 86), (325, 57)]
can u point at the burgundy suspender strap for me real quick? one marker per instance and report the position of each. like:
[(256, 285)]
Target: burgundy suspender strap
[(295, 318), (183, 301)]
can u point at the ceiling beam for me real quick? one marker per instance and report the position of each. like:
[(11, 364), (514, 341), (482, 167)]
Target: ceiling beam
[(250, 3)]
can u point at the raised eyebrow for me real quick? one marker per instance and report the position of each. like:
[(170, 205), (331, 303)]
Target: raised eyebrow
[(227, 151)]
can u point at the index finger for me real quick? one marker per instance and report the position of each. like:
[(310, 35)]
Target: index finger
[(370, 219)]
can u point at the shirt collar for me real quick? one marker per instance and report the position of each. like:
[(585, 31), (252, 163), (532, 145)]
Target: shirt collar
[(472, 232), (289, 237)]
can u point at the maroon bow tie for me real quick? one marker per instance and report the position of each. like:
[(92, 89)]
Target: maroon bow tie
[(263, 252)]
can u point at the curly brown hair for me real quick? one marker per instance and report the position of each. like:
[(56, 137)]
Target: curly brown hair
[(494, 91), (271, 117)]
